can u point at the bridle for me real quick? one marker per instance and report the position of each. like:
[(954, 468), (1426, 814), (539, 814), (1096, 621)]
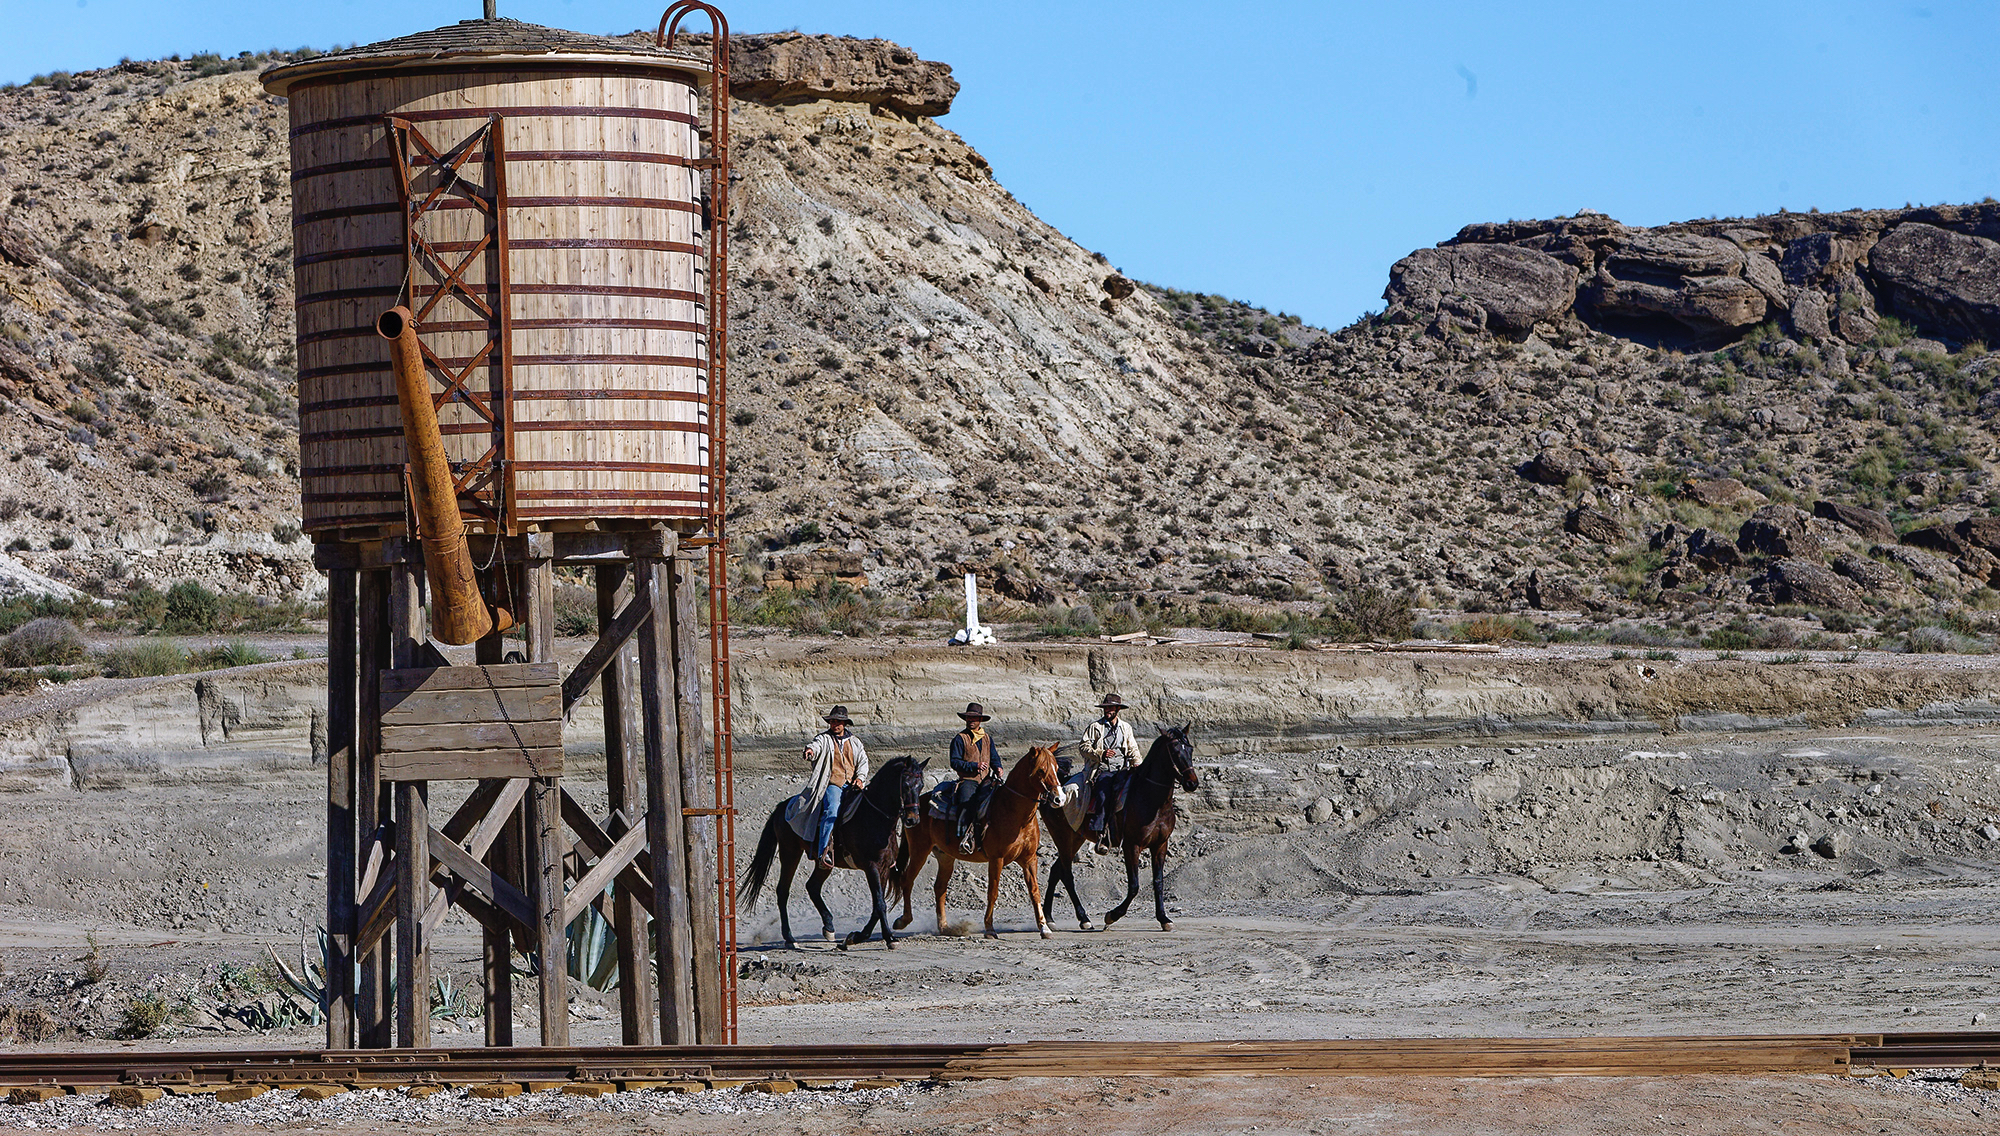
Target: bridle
[(1046, 796)]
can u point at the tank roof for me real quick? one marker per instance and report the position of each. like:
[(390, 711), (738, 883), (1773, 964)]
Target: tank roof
[(486, 42)]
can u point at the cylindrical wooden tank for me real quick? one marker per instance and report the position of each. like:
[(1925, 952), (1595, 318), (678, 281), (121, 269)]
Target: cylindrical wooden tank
[(533, 195)]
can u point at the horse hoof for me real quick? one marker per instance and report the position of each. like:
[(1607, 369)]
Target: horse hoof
[(826, 936), (1166, 926), (992, 934), (902, 923), (1048, 934), (889, 943), (1087, 925)]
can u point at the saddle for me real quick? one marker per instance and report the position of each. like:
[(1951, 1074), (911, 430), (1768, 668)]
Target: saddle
[(804, 822)]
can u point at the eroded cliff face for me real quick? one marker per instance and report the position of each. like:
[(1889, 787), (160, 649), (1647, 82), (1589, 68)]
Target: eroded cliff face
[(1569, 416), (239, 725)]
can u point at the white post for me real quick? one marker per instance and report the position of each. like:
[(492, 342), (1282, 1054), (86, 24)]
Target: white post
[(971, 606)]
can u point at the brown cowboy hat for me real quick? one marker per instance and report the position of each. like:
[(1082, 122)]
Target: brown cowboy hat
[(838, 714), (1112, 702), (974, 712)]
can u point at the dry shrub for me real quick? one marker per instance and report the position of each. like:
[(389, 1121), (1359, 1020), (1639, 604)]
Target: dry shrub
[(27, 1024), (47, 641), (1494, 629)]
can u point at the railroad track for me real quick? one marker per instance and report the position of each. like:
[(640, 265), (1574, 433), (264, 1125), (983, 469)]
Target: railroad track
[(637, 1066)]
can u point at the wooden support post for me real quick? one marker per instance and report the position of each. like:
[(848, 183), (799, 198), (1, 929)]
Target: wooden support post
[(372, 806), (697, 792), (544, 807), (664, 830), (341, 663), (413, 825), (624, 774), (496, 944)]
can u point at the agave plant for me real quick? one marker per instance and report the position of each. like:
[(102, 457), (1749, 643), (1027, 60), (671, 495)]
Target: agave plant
[(592, 950)]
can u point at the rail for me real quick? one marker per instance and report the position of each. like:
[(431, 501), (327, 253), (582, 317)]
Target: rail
[(1445, 1057)]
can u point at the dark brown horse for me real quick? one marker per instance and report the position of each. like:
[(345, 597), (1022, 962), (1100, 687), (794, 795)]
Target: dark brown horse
[(1012, 835), (1146, 822), (864, 839)]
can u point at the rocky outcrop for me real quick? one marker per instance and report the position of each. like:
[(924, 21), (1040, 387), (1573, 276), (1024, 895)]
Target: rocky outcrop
[(1806, 584), (1555, 465), (1721, 493), (791, 67), (1594, 524), (1483, 287), (1869, 575), (1821, 275), (1945, 281), (1780, 530), (1866, 523), (1971, 560)]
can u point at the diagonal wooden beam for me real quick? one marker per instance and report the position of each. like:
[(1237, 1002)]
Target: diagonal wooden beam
[(634, 879), (592, 883), (378, 914), (476, 830), (609, 642), (483, 880)]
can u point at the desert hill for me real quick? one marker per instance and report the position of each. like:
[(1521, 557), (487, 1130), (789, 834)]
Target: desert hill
[(1571, 415)]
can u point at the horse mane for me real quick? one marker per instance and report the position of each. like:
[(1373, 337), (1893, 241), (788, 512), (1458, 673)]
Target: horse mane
[(1026, 764)]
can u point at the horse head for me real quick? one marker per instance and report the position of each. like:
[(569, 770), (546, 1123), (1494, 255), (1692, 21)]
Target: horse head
[(910, 790), (1037, 775), (1181, 747)]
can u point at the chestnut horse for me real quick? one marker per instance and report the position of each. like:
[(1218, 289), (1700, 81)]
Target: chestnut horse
[(1013, 835)]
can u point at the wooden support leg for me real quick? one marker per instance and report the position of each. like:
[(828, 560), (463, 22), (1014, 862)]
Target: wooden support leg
[(544, 808), (697, 791), (341, 666), (496, 945), (413, 856), (372, 805), (624, 770), (664, 830)]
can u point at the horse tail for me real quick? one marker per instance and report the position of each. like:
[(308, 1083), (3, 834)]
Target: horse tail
[(760, 864)]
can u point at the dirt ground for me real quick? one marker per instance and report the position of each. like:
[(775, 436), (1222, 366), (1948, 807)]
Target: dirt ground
[(1686, 1106), (1567, 887)]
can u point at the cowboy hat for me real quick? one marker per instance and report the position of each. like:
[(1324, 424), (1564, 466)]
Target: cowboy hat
[(1111, 702), (974, 712), (838, 714)]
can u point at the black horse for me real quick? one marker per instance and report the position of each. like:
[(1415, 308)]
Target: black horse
[(1146, 820), (866, 838)]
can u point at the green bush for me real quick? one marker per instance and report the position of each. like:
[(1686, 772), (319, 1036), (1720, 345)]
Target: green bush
[(190, 607), (235, 653), (47, 641), (831, 606), (144, 660), (145, 1017), (17, 612)]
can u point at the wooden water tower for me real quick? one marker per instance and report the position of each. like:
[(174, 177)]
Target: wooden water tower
[(511, 271)]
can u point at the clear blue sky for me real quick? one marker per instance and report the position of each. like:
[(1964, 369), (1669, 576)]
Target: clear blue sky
[(1288, 153)]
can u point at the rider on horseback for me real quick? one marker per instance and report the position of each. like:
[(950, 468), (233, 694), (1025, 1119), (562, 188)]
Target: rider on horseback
[(1108, 746), (839, 764), (972, 760)]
